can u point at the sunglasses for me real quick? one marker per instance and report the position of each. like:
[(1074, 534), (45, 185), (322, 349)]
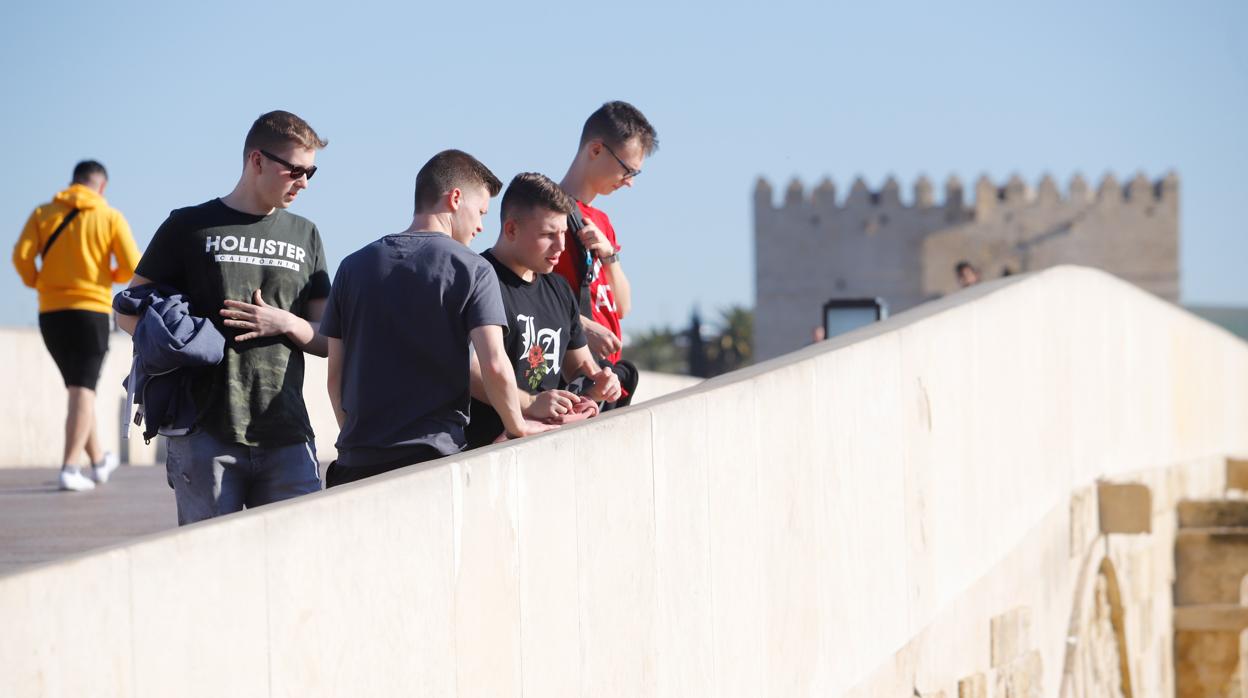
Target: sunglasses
[(628, 171), (296, 171)]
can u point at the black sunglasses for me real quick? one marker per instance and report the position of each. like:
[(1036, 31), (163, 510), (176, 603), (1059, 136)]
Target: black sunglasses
[(628, 171), (296, 171)]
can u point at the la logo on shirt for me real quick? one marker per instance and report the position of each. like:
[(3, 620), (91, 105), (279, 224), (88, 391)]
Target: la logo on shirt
[(547, 340)]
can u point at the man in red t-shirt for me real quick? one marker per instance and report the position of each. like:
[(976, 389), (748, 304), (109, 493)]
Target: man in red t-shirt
[(615, 142)]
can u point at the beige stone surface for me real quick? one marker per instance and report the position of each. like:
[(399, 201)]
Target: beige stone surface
[(616, 553), (549, 579), (864, 509), (1207, 662), (735, 457), (1213, 513), (361, 588), (685, 649), (65, 629), (1011, 636), (487, 576), (1124, 507), (199, 602), (1221, 557)]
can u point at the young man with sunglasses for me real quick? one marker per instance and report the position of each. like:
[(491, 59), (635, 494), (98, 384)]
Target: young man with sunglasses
[(615, 142), (400, 318), (259, 273)]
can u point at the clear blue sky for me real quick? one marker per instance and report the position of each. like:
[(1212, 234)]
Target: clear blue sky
[(163, 94)]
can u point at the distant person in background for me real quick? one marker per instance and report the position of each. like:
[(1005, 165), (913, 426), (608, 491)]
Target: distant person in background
[(615, 142), (818, 334), (967, 274), (77, 236)]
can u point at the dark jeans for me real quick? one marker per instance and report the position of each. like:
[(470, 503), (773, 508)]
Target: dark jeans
[(337, 474)]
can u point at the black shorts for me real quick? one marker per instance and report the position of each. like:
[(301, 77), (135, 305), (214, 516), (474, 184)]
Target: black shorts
[(77, 341)]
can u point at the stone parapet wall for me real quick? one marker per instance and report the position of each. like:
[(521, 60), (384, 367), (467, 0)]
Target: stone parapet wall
[(943, 504), (32, 414)]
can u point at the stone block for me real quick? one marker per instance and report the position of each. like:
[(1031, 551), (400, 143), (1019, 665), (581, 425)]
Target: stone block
[(1124, 507), (200, 603), (1237, 473), (1215, 617), (1010, 635), (361, 588), (549, 621), (65, 629), (682, 548), (736, 563), (1213, 513), (790, 536), (1210, 564), (974, 686), (1022, 678), (1083, 522), (1206, 664), (615, 547), (487, 595)]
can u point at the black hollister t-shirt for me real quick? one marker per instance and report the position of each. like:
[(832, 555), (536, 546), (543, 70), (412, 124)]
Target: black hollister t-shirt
[(211, 253), (543, 323)]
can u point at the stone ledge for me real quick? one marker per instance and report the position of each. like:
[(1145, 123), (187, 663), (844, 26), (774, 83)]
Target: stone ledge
[(1215, 616), (1125, 507), (1213, 513)]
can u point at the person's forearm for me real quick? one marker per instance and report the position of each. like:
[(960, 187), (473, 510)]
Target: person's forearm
[(504, 396), (305, 336), (127, 323), (334, 386), (620, 288)]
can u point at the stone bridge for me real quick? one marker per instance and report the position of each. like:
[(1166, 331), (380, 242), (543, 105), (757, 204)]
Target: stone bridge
[(1001, 493)]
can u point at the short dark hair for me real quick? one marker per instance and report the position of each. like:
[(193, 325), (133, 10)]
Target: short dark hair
[(529, 190), (957, 269), (452, 169), (85, 170), (278, 129), (616, 122)]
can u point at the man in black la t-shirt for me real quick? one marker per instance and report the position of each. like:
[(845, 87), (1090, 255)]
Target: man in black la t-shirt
[(259, 273), (544, 341)]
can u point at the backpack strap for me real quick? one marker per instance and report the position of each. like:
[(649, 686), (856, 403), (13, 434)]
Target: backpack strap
[(582, 260), (57, 233)]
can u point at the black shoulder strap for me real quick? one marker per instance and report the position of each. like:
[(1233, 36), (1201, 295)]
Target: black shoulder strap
[(582, 261), (57, 233)]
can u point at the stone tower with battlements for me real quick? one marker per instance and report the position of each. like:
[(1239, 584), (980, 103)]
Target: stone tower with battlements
[(816, 246)]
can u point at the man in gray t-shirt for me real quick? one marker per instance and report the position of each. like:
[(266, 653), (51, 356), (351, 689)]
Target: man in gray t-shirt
[(401, 314)]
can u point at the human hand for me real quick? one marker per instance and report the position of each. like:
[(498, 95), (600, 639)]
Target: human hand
[(602, 341), (595, 240), (551, 404), (258, 317), (606, 386)]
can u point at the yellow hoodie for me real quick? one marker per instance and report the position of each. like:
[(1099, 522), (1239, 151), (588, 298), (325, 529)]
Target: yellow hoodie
[(77, 274)]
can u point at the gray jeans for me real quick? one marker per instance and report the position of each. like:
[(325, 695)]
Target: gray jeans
[(211, 477)]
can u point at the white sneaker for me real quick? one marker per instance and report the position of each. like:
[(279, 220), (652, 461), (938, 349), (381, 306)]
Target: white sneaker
[(75, 481), (104, 469)]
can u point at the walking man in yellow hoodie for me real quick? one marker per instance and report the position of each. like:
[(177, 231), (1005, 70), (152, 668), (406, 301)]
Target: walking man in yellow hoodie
[(75, 237)]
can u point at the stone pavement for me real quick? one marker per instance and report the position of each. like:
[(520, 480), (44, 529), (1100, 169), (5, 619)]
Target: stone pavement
[(39, 523)]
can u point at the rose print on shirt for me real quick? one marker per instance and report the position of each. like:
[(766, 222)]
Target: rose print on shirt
[(541, 351)]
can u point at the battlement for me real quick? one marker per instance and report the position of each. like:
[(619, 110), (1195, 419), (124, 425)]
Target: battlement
[(988, 194)]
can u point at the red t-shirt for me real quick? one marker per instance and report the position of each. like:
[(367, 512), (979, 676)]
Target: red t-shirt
[(600, 292)]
